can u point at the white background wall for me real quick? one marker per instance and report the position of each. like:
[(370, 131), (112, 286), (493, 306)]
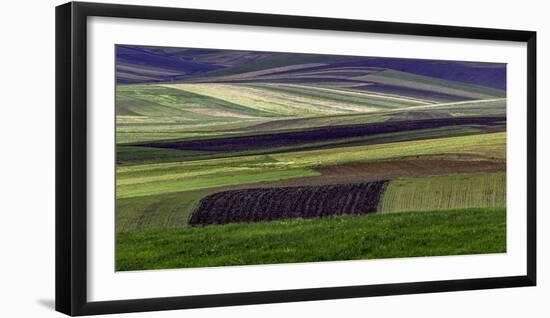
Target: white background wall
[(27, 158)]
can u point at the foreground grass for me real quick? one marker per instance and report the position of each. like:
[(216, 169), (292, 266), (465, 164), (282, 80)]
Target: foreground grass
[(450, 232)]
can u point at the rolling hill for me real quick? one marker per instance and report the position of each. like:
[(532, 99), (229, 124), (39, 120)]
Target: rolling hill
[(230, 157)]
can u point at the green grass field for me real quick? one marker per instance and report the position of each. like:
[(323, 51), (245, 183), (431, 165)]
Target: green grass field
[(451, 232)]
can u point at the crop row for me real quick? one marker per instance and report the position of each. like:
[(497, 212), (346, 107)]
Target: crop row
[(255, 205)]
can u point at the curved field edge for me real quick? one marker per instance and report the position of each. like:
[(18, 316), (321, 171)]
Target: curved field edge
[(396, 235), (480, 190), (135, 155), (132, 129), (151, 179)]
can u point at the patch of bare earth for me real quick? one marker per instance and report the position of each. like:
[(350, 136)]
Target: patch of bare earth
[(257, 205), (410, 168), (387, 170)]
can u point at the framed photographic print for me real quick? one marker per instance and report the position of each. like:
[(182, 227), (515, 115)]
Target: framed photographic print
[(208, 158)]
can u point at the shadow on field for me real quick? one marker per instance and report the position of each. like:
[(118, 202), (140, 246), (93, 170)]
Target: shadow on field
[(48, 303)]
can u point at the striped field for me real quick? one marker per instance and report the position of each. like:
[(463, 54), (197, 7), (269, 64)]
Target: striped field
[(484, 190)]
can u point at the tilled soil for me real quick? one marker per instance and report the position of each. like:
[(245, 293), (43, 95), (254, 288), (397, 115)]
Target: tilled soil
[(267, 204)]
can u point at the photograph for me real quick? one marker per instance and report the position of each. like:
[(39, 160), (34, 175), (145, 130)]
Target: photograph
[(233, 158)]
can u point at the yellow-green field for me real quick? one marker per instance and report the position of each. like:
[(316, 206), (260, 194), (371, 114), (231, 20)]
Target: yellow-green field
[(482, 190)]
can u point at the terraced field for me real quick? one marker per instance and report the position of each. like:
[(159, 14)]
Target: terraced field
[(238, 158)]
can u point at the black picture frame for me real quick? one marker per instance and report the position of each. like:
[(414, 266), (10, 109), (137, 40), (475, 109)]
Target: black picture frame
[(71, 157)]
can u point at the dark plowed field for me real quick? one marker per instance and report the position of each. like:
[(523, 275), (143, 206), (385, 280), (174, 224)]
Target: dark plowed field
[(321, 134), (256, 205)]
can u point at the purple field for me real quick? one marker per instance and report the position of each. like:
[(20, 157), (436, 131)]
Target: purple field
[(320, 134), (200, 64)]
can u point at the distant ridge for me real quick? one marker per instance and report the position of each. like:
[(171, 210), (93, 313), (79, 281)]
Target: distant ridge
[(145, 64)]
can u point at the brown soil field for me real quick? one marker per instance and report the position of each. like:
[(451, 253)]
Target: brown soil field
[(386, 170), (267, 204)]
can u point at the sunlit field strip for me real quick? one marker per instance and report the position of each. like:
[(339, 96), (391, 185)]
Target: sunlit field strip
[(294, 103), (132, 129), (209, 180), (403, 79)]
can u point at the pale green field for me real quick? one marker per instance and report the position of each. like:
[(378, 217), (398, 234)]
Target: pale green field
[(490, 145), (481, 190), (489, 108), (392, 77), (153, 113), (160, 211)]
